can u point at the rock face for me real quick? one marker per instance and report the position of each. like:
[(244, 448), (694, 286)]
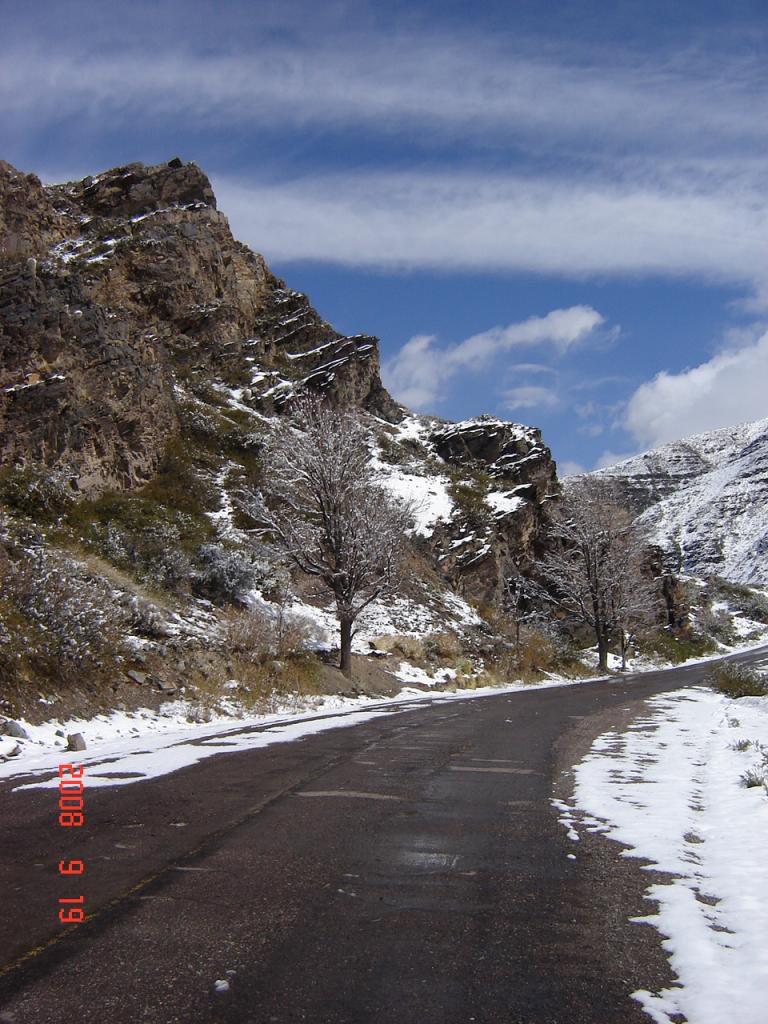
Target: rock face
[(705, 500), (477, 549), (114, 288), (29, 222), (482, 490)]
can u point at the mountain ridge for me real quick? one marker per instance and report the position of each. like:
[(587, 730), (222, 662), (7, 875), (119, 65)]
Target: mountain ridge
[(704, 500)]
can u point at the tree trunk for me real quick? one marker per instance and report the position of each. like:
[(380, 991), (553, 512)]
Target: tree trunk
[(346, 646), (602, 652)]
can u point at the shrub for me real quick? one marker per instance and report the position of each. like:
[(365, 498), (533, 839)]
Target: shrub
[(538, 654), (717, 624), (751, 603), (177, 484), (144, 618), (37, 494), (753, 777), (442, 647), (269, 656), (741, 745), (679, 647), (411, 648), (465, 674), (56, 616), (391, 451), (260, 634), (469, 496), (224, 575), (137, 534), (736, 680)]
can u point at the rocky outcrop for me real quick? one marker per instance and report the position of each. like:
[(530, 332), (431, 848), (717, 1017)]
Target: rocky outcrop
[(118, 287), (29, 222), (508, 452), (507, 478)]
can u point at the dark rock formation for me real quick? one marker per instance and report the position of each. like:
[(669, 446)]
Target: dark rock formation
[(29, 222), (114, 289), (477, 549)]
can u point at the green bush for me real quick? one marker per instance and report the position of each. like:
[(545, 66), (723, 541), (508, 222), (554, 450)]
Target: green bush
[(154, 543), (37, 494), (469, 495), (679, 647), (57, 622), (390, 449), (736, 680)]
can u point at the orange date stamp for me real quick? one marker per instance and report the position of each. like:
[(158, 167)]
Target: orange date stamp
[(71, 815)]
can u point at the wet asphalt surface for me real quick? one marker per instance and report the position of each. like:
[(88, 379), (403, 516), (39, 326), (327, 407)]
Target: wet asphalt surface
[(409, 869)]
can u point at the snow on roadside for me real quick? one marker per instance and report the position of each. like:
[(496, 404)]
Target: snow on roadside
[(124, 748), (669, 789), (125, 761)]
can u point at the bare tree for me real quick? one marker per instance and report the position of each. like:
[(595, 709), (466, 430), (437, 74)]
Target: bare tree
[(518, 602), (327, 514), (598, 574)]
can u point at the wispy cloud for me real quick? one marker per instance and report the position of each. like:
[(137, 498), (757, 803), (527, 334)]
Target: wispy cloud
[(609, 458), (567, 467), (690, 199), (395, 83), (477, 221), (530, 397), (531, 368), (419, 373)]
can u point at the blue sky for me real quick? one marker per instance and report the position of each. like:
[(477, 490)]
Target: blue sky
[(554, 212)]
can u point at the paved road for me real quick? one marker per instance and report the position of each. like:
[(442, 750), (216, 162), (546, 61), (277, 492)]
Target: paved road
[(410, 869)]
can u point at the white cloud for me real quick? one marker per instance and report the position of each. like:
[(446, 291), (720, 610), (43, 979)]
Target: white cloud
[(419, 373), (537, 368), (592, 429), (477, 221), (415, 376), (569, 468), (730, 388), (530, 397)]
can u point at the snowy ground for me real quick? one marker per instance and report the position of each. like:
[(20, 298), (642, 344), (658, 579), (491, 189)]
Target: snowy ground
[(670, 789)]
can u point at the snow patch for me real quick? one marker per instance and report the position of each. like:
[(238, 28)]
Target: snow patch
[(669, 790)]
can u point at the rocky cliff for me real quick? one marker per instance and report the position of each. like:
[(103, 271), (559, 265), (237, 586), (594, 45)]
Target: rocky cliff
[(131, 319), (114, 288)]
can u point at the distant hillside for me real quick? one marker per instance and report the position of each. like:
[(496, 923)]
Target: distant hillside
[(705, 498)]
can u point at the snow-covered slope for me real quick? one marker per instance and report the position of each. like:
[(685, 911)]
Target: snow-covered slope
[(705, 499)]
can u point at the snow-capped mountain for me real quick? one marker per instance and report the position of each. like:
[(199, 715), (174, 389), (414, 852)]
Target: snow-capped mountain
[(705, 500)]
